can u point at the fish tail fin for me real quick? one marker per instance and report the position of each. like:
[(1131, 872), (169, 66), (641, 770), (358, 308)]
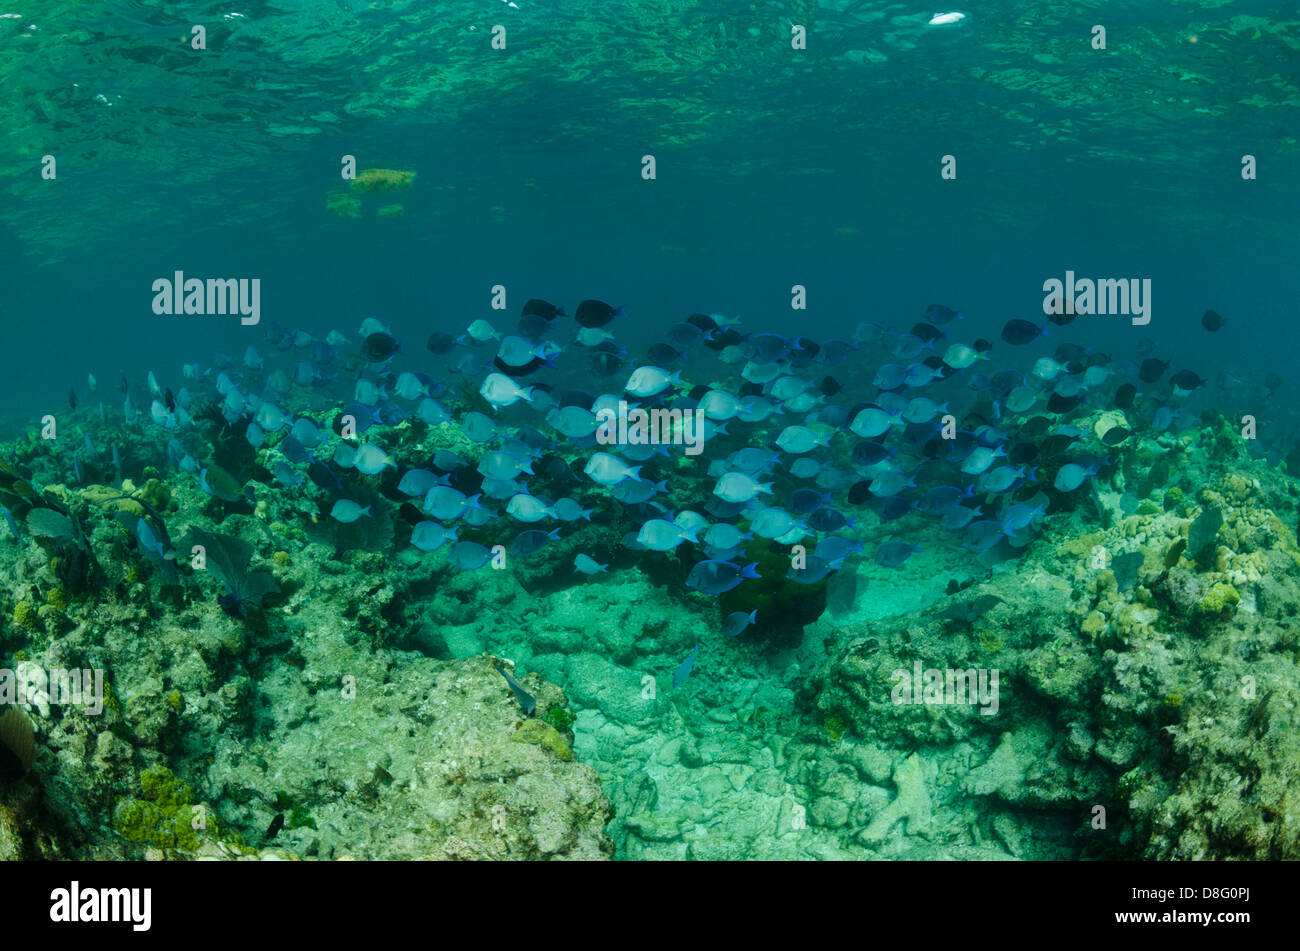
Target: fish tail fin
[(750, 570)]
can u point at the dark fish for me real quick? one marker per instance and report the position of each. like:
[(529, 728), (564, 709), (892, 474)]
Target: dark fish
[(807, 347), (276, 825), (440, 343), (893, 554), (72, 398), (392, 412), (962, 446), (294, 450), (123, 385), (684, 670), (533, 327), (1211, 321), (556, 469), (725, 338), (836, 351), (1061, 312), (277, 334), (829, 386), (365, 417), (595, 313), (1070, 353), (829, 520), (981, 345), (684, 335), (806, 501), (927, 332), (1152, 369), (768, 348), (576, 398), (169, 400), (530, 367), (378, 347), (606, 364), (531, 437), (703, 321), (943, 371), (530, 542), (526, 700), (1187, 380), (1056, 403), (860, 493), (891, 508), (220, 484), (1115, 435), (662, 355), (1057, 443), (869, 453), (938, 314), (1124, 396), (1004, 381), (1017, 332), (971, 610), (540, 308), (1021, 453), (324, 477)]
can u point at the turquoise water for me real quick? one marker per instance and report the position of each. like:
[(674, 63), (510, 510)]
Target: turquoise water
[(833, 226)]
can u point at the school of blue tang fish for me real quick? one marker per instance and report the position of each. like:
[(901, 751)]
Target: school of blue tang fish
[(712, 448)]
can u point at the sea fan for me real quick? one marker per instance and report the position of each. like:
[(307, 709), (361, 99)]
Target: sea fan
[(228, 558), (62, 534), (47, 523), (17, 742)]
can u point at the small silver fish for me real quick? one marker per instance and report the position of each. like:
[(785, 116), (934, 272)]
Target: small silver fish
[(526, 700)]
